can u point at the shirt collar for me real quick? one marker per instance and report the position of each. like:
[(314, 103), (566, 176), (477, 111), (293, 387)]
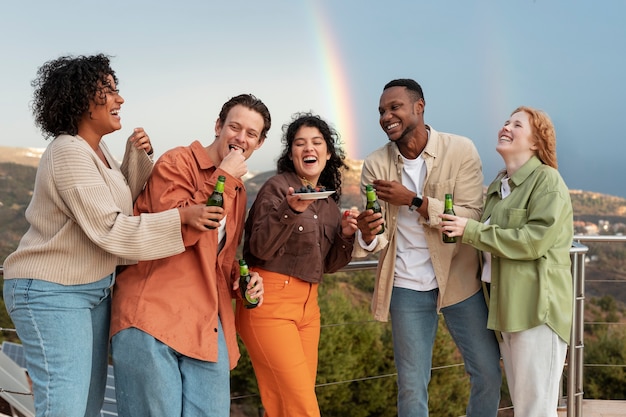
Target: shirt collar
[(430, 148), (524, 172), (201, 155), (518, 177)]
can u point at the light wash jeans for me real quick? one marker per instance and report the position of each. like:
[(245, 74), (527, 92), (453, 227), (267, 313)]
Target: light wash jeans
[(64, 330), (153, 380), (414, 321)]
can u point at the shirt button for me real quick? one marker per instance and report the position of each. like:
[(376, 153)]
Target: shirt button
[(315, 216), (300, 228), (215, 330), (286, 216)]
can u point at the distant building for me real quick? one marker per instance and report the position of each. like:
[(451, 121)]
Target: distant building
[(591, 229)]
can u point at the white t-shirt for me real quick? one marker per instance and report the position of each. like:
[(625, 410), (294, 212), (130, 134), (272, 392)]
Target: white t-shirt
[(221, 235), (413, 268)]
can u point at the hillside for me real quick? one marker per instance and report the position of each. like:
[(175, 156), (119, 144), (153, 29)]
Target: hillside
[(609, 260), (21, 156), (17, 177), (588, 205), (16, 183)]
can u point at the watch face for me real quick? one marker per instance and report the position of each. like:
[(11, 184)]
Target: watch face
[(415, 203)]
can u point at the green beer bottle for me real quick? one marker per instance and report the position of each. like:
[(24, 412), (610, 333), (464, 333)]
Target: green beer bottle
[(217, 198), (448, 210), (372, 203), (244, 280)]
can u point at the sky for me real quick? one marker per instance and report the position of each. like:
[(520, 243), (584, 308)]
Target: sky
[(476, 60)]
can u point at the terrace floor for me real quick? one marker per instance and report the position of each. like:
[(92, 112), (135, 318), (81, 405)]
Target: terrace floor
[(601, 408)]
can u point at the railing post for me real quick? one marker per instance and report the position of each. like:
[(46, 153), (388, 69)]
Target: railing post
[(576, 348)]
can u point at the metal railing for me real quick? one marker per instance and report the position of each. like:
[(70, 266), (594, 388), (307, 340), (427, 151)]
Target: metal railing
[(575, 355), (575, 365), (578, 251), (575, 352)]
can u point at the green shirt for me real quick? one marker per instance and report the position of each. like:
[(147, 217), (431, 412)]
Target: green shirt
[(529, 237)]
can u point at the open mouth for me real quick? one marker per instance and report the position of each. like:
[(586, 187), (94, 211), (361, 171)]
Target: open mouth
[(235, 147), (392, 126), (309, 160)]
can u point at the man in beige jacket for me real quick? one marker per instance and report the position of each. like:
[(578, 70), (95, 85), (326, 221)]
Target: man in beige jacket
[(418, 275)]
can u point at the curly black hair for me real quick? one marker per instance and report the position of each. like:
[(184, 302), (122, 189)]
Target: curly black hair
[(64, 88), (331, 175)]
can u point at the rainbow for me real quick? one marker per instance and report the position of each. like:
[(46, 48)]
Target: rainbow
[(341, 116)]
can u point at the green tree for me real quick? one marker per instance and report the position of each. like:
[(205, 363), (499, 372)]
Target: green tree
[(356, 373), (601, 381), (244, 388)]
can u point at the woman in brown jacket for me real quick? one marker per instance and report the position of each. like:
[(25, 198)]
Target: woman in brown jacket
[(291, 240)]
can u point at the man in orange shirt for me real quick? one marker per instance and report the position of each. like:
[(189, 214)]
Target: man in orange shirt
[(173, 329)]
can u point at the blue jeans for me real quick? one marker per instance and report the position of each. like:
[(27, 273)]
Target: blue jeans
[(153, 380), (414, 326), (64, 330)]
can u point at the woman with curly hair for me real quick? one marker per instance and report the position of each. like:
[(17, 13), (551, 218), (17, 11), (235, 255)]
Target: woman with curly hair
[(57, 283), (291, 241)]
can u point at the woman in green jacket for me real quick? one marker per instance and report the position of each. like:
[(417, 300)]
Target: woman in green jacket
[(526, 233)]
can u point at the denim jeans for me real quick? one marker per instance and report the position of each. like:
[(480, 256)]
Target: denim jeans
[(153, 380), (64, 330), (414, 321)]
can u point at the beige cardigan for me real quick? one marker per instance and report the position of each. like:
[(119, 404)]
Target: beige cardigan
[(81, 217)]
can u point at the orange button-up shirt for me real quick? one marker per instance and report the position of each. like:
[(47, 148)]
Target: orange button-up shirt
[(178, 299)]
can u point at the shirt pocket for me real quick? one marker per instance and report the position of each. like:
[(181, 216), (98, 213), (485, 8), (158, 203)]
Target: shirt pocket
[(303, 238), (515, 218), (330, 231), (439, 189)]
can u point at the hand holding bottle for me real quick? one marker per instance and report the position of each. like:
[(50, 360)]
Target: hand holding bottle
[(200, 216), (369, 223), (217, 197), (452, 225), (250, 286), (448, 209), (373, 204)]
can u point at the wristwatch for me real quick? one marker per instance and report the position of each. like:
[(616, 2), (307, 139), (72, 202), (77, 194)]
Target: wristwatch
[(415, 203)]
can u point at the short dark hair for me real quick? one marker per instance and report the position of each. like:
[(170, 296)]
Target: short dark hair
[(415, 90), (64, 88), (251, 102)]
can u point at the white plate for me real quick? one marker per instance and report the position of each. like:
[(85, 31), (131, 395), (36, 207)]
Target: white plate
[(314, 196)]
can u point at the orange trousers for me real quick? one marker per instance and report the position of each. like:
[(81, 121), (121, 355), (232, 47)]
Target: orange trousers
[(282, 338)]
